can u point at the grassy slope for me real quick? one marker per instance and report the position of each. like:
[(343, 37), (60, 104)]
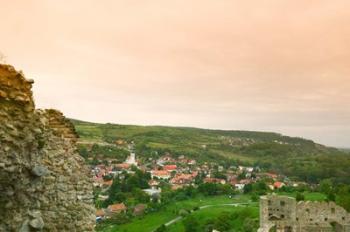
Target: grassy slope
[(208, 214), (153, 220), (189, 140)]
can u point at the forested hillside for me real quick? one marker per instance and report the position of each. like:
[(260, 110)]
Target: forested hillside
[(295, 157)]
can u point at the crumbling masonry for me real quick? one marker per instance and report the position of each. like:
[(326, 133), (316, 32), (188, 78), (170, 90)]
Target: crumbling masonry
[(285, 214), (44, 185)]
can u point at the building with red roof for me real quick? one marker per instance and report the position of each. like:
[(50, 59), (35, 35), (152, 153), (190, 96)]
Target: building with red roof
[(278, 185), (117, 208), (160, 174), (170, 168)]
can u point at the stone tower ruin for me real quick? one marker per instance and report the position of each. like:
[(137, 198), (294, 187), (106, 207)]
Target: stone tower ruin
[(285, 214)]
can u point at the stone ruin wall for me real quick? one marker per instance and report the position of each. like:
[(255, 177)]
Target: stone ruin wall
[(287, 215), (321, 213), (44, 184)]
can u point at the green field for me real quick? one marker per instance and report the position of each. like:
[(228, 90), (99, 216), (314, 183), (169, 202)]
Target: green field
[(152, 221), (208, 214)]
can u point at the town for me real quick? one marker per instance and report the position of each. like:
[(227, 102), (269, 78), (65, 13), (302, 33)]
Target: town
[(168, 173)]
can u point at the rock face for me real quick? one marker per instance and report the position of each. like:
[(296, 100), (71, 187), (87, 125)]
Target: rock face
[(44, 185)]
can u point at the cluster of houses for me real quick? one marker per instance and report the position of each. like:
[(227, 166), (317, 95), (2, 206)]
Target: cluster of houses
[(118, 209), (178, 173)]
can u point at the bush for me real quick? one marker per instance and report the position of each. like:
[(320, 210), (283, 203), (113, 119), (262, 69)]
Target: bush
[(191, 224), (183, 213), (300, 197), (162, 228), (250, 225), (254, 197), (118, 219)]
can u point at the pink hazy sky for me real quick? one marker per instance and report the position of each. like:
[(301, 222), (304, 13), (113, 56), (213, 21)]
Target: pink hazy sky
[(273, 65)]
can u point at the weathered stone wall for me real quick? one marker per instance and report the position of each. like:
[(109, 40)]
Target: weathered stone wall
[(286, 215), (44, 185), (277, 211), (317, 213)]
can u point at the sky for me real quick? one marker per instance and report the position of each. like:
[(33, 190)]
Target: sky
[(262, 65)]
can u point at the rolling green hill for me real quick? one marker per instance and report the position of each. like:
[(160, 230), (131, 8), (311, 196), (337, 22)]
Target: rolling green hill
[(295, 157)]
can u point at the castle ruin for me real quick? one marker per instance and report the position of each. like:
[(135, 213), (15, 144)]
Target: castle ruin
[(285, 214), (44, 183)]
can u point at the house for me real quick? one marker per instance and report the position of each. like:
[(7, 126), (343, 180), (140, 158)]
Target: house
[(139, 209), (170, 168), (97, 181), (278, 185), (102, 197), (123, 166), (153, 183), (233, 182), (120, 142), (272, 175), (245, 169), (100, 214), (160, 174), (153, 192), (240, 187), (194, 174), (245, 181), (182, 159), (116, 208), (204, 168), (175, 187), (191, 162), (231, 177), (182, 179), (220, 168), (165, 159), (214, 181), (108, 183)]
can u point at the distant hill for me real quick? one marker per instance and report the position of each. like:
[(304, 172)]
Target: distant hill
[(295, 157), (345, 149)]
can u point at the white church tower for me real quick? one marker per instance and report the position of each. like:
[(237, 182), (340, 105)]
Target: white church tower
[(132, 158)]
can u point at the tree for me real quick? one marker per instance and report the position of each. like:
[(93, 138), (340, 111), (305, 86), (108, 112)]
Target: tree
[(141, 196), (249, 225), (260, 188), (254, 197), (208, 189), (300, 197), (326, 186), (222, 223), (183, 213), (248, 188), (191, 224), (331, 196), (162, 228), (82, 150), (344, 201)]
